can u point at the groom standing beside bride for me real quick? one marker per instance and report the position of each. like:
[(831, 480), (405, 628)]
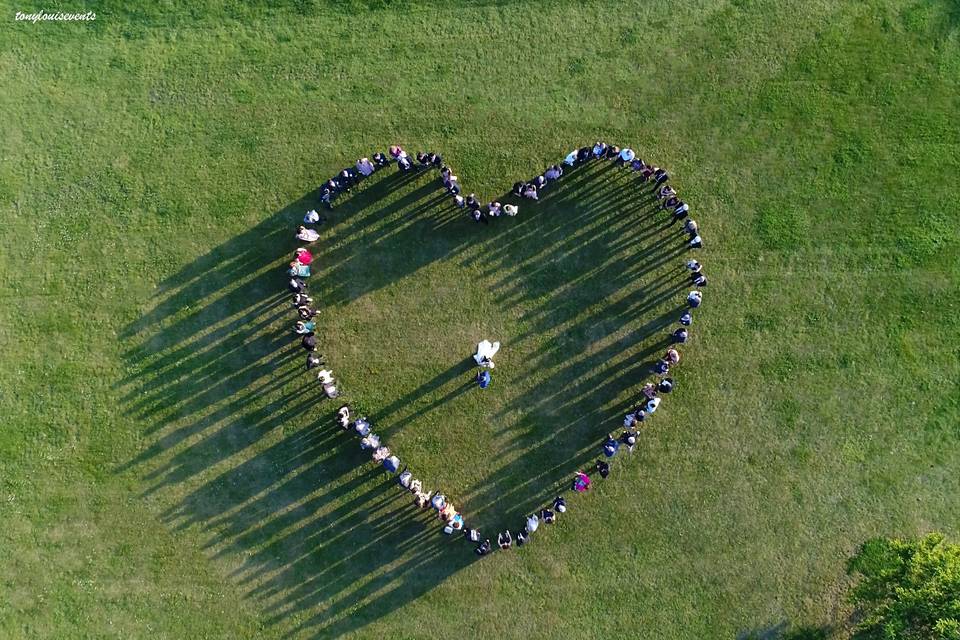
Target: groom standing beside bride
[(484, 360)]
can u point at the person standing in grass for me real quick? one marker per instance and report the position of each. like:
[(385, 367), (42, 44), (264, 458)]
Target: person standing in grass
[(365, 167), (505, 540), (559, 504), (581, 482), (314, 360), (303, 328), (484, 548), (483, 378), (660, 176), (533, 523), (602, 468), (610, 446), (307, 235)]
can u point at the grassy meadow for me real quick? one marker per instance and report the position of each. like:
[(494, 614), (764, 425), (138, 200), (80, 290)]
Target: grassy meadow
[(167, 468)]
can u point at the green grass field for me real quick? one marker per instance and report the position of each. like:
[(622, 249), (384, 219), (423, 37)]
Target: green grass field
[(167, 469)]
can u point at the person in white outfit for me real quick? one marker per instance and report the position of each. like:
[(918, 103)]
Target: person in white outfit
[(485, 352)]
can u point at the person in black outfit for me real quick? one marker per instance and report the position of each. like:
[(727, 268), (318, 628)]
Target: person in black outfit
[(380, 160), (584, 154), (347, 179), (505, 540), (309, 342), (483, 548), (680, 335), (300, 299), (296, 285), (517, 188), (602, 468), (659, 177), (559, 504), (665, 385)]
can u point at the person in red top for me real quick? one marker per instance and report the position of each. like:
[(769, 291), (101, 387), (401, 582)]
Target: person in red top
[(303, 256)]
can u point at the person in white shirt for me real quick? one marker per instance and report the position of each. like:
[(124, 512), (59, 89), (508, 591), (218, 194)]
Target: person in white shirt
[(365, 167), (511, 209), (532, 523), (307, 235), (571, 158)]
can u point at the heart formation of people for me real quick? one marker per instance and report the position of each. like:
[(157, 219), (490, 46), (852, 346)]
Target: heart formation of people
[(648, 177)]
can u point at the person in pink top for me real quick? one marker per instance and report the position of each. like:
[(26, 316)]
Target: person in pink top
[(303, 256), (581, 482)]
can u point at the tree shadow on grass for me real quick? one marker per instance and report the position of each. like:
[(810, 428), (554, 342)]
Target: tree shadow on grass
[(241, 446)]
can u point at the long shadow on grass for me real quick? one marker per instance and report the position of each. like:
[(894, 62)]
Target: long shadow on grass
[(241, 447)]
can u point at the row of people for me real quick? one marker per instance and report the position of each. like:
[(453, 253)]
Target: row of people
[(300, 269)]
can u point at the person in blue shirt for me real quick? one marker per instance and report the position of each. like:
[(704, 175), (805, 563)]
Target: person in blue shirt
[(610, 446), (483, 378)]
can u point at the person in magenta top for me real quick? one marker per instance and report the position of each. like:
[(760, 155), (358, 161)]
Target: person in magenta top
[(303, 256), (581, 482)]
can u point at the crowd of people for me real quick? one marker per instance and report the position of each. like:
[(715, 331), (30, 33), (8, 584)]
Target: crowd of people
[(648, 176)]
